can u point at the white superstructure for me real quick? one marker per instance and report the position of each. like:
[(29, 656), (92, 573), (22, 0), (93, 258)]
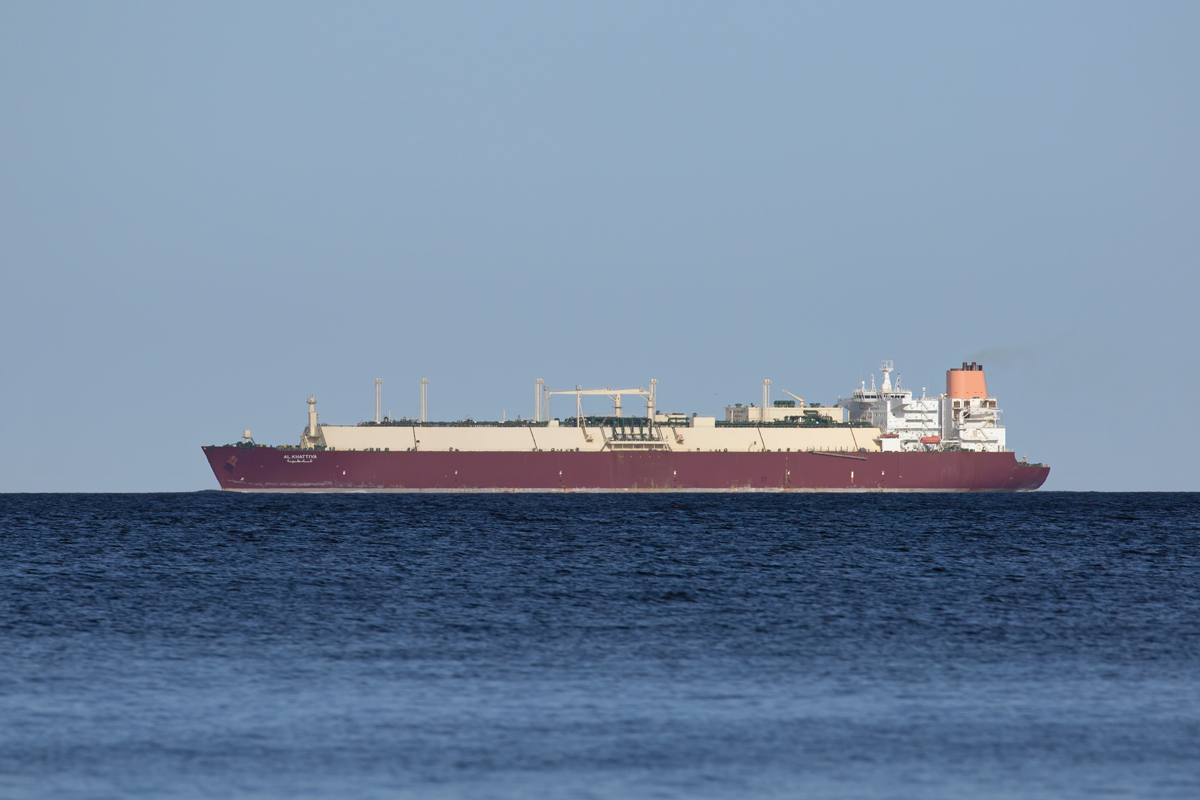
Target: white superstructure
[(965, 418)]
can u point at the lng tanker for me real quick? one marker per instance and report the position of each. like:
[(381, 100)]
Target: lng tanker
[(877, 439)]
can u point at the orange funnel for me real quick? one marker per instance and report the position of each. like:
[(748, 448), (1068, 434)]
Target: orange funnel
[(966, 383)]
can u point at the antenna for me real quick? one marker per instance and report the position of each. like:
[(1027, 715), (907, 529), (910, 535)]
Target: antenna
[(886, 368)]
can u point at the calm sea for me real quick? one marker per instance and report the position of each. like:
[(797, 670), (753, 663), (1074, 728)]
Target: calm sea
[(212, 645)]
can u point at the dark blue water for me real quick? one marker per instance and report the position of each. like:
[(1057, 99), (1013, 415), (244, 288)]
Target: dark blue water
[(209, 645)]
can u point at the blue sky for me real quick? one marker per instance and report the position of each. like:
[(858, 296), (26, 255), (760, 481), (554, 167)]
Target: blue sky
[(209, 212)]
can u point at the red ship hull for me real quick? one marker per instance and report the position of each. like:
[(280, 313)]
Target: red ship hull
[(268, 469)]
